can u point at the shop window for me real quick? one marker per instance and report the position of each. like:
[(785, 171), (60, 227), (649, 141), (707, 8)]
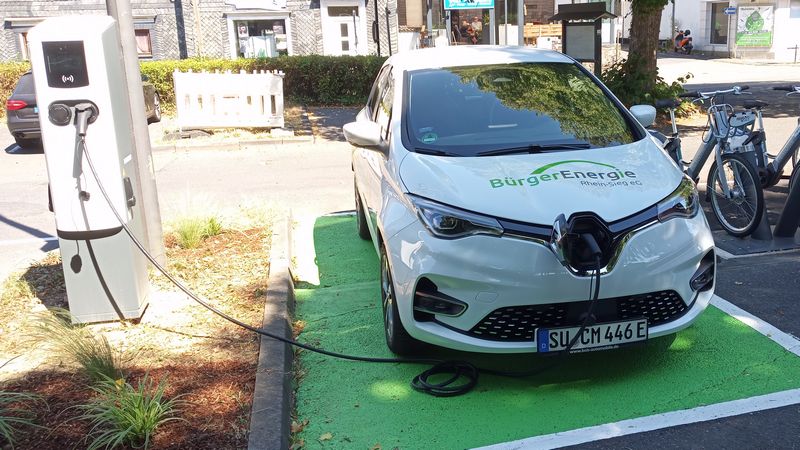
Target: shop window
[(719, 23), (253, 37), (144, 46)]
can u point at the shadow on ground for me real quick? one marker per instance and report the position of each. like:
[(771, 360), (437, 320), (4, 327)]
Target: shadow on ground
[(327, 122)]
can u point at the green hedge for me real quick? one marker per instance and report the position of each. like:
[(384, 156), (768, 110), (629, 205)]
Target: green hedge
[(9, 74), (311, 80)]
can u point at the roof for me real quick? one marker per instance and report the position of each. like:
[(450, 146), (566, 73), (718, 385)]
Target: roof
[(583, 11), (472, 55)]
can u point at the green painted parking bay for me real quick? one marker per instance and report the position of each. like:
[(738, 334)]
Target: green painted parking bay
[(358, 405)]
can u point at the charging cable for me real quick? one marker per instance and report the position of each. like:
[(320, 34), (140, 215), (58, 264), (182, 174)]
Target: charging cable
[(457, 370)]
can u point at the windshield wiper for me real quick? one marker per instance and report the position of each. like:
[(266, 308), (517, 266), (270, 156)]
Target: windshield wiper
[(535, 148), (434, 152)]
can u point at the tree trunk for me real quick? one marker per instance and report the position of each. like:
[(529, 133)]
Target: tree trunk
[(645, 24)]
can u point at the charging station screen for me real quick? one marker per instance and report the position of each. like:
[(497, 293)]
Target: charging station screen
[(65, 63)]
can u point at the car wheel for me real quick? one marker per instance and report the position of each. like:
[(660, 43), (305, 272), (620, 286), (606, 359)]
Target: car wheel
[(361, 216), (397, 338), (156, 110)]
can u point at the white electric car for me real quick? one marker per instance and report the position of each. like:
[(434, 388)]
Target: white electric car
[(481, 174)]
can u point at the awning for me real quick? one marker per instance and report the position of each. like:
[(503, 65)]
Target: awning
[(583, 11)]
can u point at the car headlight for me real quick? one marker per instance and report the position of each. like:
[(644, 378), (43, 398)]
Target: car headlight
[(447, 222), (684, 202)]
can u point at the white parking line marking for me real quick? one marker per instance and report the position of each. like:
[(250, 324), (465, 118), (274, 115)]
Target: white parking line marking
[(785, 340), (12, 242), (654, 422), (675, 418)]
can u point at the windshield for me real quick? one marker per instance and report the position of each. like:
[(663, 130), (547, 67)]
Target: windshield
[(525, 107)]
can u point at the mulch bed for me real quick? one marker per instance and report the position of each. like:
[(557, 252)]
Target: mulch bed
[(213, 368)]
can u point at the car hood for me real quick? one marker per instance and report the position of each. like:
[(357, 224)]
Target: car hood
[(612, 182)]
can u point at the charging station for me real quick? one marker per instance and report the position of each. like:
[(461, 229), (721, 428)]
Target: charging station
[(84, 107)]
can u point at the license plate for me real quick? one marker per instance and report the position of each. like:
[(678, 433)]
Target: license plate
[(595, 337)]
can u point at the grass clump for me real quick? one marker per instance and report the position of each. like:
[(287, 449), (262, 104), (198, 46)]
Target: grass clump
[(191, 231), (93, 353), (122, 414), (15, 412)]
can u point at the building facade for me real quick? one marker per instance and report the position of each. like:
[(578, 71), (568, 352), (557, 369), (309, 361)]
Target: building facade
[(176, 29), (757, 29)]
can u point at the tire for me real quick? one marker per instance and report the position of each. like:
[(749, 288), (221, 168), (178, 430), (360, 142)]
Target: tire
[(361, 217), (741, 214), (397, 338), (156, 110)]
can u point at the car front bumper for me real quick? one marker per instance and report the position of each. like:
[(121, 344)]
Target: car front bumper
[(488, 273)]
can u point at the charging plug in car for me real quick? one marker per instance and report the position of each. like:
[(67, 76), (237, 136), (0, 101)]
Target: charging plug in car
[(575, 243)]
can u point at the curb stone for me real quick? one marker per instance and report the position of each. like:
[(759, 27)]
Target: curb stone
[(272, 394)]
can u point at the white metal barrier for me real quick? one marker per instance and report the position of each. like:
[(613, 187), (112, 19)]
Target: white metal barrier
[(226, 100)]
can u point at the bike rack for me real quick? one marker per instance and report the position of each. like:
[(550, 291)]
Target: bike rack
[(789, 219)]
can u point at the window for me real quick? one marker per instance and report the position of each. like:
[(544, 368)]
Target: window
[(342, 11), (794, 9), (377, 89), (719, 24), (143, 44), (467, 110), (252, 36), (384, 115)]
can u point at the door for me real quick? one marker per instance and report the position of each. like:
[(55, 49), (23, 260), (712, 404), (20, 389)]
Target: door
[(343, 31)]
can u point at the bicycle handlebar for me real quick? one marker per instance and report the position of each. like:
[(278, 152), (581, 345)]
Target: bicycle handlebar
[(787, 87), (670, 103), (736, 90)]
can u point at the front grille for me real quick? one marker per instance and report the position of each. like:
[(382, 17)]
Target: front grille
[(519, 323)]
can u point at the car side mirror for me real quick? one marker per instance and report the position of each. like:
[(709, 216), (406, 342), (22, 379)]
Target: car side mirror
[(363, 133), (645, 114)]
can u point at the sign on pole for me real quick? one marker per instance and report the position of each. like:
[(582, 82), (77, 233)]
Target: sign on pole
[(754, 26), (468, 4)]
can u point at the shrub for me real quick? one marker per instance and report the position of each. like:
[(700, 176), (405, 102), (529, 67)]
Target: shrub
[(631, 86), (94, 354), (313, 79), (9, 74), (121, 414), (15, 412), (192, 230)]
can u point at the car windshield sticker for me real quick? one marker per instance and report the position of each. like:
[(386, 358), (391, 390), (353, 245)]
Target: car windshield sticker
[(429, 138), (602, 175)]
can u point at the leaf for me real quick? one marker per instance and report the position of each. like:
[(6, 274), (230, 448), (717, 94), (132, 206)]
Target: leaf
[(297, 427), (325, 437), (377, 446), (298, 445)]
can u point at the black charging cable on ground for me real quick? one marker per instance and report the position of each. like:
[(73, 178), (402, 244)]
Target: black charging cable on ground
[(456, 369)]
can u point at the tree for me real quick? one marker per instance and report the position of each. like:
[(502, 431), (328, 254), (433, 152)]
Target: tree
[(645, 24)]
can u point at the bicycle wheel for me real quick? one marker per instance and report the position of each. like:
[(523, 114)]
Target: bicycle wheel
[(741, 213)]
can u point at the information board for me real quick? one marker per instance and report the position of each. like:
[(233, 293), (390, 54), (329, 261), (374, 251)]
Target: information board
[(468, 4), (580, 41), (754, 26)]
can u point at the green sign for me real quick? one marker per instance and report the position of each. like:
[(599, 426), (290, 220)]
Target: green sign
[(468, 4), (754, 26)]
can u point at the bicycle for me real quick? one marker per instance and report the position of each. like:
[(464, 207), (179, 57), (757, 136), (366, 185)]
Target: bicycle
[(770, 167), (734, 187)]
